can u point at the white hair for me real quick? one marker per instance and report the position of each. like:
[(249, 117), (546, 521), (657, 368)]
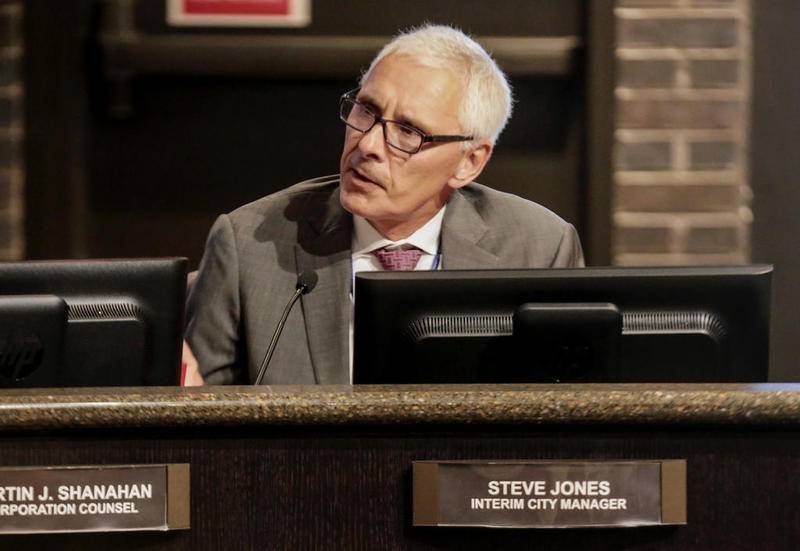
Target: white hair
[(486, 103)]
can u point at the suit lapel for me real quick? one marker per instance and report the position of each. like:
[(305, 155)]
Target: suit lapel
[(462, 232), (324, 247)]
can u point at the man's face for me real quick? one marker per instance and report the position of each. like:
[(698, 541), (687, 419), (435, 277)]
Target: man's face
[(398, 192)]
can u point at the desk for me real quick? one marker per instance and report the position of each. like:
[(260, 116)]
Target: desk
[(328, 467)]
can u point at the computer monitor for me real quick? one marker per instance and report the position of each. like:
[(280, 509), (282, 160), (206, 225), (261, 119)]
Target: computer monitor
[(91, 322), (625, 325)]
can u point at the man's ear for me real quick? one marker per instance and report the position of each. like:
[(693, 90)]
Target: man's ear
[(471, 165)]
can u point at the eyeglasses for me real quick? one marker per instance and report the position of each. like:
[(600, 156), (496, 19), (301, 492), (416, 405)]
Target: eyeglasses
[(401, 136)]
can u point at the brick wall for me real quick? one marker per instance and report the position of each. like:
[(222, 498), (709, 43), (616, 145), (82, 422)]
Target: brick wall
[(12, 241), (681, 193)]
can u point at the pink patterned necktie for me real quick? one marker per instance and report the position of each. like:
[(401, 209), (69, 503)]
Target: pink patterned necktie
[(398, 259)]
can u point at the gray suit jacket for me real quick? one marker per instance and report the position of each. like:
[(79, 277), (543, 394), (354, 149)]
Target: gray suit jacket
[(254, 255)]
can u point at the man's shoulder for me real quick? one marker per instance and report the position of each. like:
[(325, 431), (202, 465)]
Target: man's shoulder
[(505, 208), (518, 232), (315, 190)]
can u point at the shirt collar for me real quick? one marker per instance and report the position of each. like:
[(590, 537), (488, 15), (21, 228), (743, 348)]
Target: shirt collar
[(367, 239)]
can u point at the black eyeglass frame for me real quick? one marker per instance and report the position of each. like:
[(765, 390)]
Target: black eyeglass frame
[(426, 138)]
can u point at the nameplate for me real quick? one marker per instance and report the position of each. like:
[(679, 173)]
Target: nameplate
[(94, 498), (552, 494)]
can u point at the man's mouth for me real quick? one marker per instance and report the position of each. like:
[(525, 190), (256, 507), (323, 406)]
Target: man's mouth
[(363, 178)]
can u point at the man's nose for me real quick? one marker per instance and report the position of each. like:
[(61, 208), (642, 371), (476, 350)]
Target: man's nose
[(372, 141)]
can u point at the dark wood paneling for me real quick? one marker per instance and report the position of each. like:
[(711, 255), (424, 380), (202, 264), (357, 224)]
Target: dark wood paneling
[(775, 170), (368, 17), (55, 127), (349, 487), (600, 83), (129, 53)]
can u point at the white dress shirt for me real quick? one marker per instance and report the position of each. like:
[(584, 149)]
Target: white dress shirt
[(367, 239)]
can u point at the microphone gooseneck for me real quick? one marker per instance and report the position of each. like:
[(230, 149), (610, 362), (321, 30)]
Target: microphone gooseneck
[(306, 282)]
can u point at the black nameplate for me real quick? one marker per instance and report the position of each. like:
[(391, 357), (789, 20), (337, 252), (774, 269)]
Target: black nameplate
[(94, 498), (556, 494)]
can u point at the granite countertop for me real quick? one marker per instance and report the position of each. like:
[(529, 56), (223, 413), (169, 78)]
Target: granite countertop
[(756, 404)]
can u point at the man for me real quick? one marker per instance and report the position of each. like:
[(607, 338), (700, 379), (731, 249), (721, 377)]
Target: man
[(419, 131)]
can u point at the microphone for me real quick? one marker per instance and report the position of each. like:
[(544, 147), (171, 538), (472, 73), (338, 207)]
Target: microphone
[(306, 282)]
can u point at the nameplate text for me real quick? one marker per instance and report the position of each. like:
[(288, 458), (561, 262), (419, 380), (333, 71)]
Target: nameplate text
[(555, 494)]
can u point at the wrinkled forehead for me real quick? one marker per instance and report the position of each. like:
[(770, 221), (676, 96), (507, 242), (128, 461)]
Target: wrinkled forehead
[(415, 89)]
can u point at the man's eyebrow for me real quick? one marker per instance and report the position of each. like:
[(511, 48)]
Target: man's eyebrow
[(404, 119), (368, 101), (410, 122)]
